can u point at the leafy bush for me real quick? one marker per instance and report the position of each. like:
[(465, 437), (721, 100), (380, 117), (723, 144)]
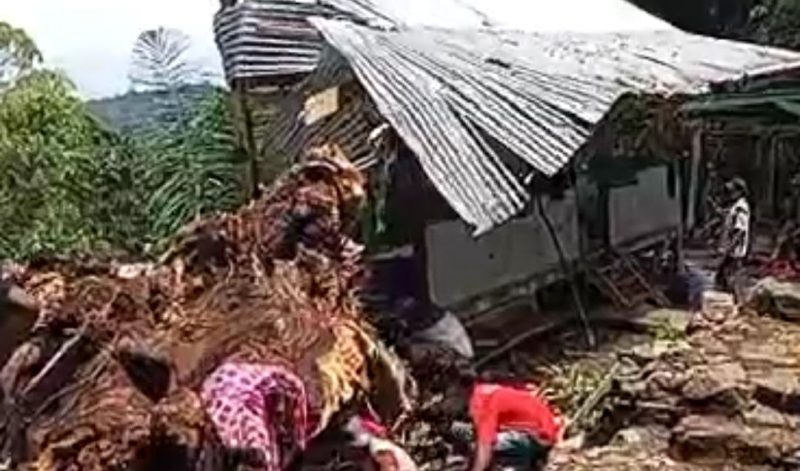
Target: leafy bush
[(48, 167), (69, 185)]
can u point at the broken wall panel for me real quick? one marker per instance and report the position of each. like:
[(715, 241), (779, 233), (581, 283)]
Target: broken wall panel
[(648, 209), (462, 267)]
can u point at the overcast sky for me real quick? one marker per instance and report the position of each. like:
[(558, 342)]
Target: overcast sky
[(91, 39)]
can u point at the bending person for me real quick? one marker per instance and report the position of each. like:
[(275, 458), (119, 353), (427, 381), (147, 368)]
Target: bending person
[(515, 427)]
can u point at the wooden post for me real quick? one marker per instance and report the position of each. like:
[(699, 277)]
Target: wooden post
[(681, 228), (694, 184), (771, 202), (591, 340), (576, 170), (249, 140)]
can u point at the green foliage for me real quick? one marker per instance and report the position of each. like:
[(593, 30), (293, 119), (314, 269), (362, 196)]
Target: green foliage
[(18, 53), (142, 113), (666, 331), (52, 166), (159, 60), (69, 185), (196, 167), (159, 64)]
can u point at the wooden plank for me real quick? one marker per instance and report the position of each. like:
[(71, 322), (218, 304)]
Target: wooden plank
[(321, 105), (249, 141), (67, 352), (694, 184)]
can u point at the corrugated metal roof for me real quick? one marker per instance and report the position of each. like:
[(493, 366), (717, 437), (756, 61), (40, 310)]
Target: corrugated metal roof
[(445, 91), (534, 16), (267, 39), (453, 94), (271, 38)]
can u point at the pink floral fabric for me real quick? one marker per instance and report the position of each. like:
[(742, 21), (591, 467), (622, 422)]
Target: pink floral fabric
[(258, 407)]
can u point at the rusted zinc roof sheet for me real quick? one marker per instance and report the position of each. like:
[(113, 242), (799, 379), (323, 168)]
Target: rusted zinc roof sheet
[(453, 95)]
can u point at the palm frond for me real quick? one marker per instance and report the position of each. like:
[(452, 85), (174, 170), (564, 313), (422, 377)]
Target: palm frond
[(159, 61)]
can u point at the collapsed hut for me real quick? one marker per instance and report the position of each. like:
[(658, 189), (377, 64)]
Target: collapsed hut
[(500, 160)]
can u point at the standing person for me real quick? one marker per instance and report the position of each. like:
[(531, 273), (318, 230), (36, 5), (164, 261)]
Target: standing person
[(735, 240), (515, 427)]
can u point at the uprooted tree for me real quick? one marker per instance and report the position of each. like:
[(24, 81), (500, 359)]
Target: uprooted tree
[(111, 377)]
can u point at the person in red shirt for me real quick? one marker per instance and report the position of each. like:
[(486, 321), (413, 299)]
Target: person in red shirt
[(514, 425)]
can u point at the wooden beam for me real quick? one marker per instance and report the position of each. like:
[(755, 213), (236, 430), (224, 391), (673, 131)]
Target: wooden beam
[(37, 388), (694, 184), (679, 185), (249, 140)]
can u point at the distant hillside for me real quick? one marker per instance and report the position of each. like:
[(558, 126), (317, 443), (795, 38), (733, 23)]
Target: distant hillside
[(136, 112)]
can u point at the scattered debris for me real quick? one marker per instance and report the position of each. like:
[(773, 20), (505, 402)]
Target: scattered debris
[(717, 402)]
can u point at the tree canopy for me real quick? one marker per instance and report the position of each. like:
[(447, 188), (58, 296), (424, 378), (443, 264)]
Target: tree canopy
[(18, 53), (70, 185), (768, 22)]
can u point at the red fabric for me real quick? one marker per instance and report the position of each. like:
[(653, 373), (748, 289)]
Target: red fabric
[(784, 270), (495, 408), (372, 425)]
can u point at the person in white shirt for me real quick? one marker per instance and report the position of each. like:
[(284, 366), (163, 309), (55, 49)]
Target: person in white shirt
[(735, 240)]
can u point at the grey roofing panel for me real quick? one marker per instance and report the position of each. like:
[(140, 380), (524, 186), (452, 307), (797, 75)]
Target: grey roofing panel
[(445, 91), (462, 166), (273, 38), (263, 39), (538, 94)]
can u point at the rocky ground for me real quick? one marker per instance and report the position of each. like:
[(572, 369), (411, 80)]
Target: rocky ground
[(720, 391), (726, 396)]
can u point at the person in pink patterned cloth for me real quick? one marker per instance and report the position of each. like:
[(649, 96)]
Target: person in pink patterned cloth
[(261, 410)]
